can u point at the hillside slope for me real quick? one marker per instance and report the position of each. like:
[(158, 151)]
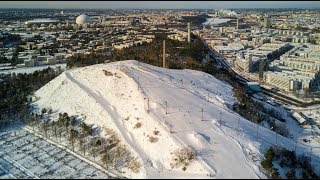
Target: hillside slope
[(183, 105)]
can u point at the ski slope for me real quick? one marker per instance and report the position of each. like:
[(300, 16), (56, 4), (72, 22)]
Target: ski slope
[(185, 106)]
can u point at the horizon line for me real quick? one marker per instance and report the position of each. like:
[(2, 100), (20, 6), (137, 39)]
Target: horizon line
[(174, 8)]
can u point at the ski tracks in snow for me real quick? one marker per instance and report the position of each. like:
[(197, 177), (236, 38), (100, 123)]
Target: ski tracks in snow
[(108, 108)]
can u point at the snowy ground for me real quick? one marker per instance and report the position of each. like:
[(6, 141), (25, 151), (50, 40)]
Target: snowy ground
[(313, 114), (309, 132), (215, 21), (24, 155), (31, 69), (297, 132), (188, 108)]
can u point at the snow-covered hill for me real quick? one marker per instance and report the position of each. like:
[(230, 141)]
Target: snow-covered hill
[(185, 106)]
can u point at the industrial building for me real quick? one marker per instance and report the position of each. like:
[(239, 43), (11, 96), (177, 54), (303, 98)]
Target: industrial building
[(253, 87), (39, 22), (266, 22)]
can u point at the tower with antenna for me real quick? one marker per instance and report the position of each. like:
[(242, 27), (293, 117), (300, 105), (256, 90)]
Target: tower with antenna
[(164, 55)]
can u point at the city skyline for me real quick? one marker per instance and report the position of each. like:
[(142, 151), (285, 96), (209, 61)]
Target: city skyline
[(158, 4), (159, 90)]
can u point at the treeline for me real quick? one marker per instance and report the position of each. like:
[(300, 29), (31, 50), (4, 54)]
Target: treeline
[(4, 59), (252, 110), (180, 54), (255, 112), (297, 166), (15, 60), (15, 91), (14, 40), (84, 139), (10, 38), (85, 60), (195, 20)]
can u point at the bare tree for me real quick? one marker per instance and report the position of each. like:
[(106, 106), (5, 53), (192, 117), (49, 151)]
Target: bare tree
[(82, 144), (72, 137), (54, 127), (282, 130), (106, 158), (45, 127)]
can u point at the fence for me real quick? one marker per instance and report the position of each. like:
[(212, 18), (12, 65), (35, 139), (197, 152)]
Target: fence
[(227, 119)]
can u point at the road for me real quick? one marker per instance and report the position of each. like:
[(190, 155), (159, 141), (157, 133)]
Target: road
[(243, 80)]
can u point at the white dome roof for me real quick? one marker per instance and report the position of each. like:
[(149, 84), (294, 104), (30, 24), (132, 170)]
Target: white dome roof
[(82, 19)]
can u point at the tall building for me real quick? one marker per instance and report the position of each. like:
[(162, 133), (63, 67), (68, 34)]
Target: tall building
[(67, 23), (237, 23), (266, 22), (261, 68), (102, 19)]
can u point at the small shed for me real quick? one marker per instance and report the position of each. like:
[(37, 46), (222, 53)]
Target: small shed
[(299, 118), (253, 86)]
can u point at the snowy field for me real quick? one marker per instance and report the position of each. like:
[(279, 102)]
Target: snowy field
[(313, 114), (186, 107), (31, 69), (215, 21), (296, 132), (24, 155)]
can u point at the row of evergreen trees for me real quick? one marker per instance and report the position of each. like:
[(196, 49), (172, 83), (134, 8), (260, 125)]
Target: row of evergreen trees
[(10, 38), (84, 139), (150, 53), (15, 91), (287, 160)]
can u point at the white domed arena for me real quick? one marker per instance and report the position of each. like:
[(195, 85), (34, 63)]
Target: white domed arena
[(82, 19)]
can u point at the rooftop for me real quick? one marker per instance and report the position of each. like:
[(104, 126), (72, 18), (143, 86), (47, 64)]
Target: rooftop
[(252, 83), (41, 21), (227, 48)]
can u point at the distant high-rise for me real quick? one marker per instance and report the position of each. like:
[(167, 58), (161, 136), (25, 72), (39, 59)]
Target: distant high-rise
[(188, 31), (102, 19), (261, 68), (266, 22), (67, 23)]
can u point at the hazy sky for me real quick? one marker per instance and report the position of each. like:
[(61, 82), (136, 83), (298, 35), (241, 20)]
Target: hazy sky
[(160, 4)]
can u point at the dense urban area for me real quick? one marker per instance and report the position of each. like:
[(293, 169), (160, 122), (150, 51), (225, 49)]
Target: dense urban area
[(270, 58)]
